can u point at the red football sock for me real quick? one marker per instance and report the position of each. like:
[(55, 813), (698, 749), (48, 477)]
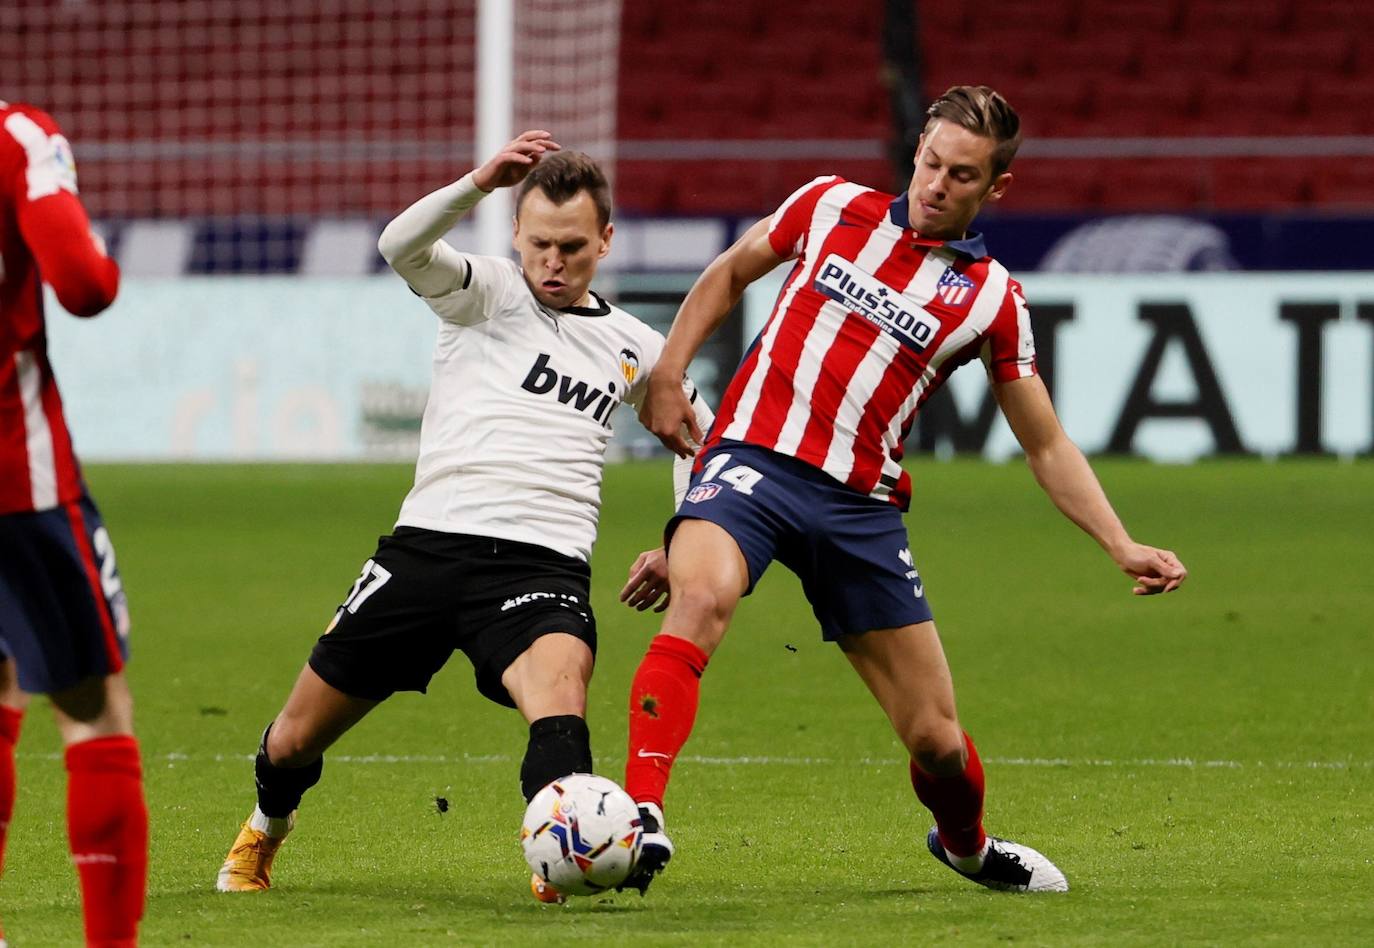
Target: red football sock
[(10, 719), (956, 802), (107, 825), (663, 707)]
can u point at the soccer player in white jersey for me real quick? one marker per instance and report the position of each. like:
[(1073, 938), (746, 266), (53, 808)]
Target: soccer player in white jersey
[(886, 296), (490, 552)]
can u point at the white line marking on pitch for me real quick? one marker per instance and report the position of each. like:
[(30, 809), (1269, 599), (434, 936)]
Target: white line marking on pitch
[(1185, 763)]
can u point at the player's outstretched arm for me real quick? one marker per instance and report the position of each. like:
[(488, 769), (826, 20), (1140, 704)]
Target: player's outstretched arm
[(1065, 475), (666, 411), (412, 243)]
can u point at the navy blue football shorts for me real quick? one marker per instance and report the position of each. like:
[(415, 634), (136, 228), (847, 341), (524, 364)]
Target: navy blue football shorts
[(426, 594), (63, 613), (850, 551)]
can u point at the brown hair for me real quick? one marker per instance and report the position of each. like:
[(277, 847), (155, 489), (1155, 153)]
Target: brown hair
[(562, 175), (984, 112)]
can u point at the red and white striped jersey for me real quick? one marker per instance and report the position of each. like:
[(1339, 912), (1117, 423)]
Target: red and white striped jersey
[(45, 236), (870, 322)]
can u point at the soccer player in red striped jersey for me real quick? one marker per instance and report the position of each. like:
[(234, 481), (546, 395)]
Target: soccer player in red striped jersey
[(885, 298), (63, 613)]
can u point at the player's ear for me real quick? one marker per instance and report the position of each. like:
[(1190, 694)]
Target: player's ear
[(606, 240), (514, 230), (999, 186)]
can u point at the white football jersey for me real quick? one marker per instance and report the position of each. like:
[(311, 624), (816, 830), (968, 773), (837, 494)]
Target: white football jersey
[(514, 434)]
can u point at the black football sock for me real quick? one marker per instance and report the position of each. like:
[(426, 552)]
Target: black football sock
[(559, 746), (280, 788)]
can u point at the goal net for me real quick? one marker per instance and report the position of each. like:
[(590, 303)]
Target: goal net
[(274, 115)]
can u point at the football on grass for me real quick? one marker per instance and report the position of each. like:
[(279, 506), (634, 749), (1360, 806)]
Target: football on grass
[(581, 834)]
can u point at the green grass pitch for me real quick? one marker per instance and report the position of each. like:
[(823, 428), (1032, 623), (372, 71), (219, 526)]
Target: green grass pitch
[(1201, 766)]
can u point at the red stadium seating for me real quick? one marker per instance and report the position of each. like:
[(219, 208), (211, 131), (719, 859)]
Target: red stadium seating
[(782, 76), (1153, 185), (1050, 184), (1139, 16), (1201, 17), (1344, 184), (1255, 184)]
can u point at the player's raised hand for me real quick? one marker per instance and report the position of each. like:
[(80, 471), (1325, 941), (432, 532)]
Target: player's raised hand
[(1154, 570), (668, 414), (648, 582), (509, 166)]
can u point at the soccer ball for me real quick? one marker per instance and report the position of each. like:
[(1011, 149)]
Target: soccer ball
[(581, 834)]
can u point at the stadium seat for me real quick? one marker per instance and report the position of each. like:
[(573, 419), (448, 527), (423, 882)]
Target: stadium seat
[(1158, 17), (1159, 105), (1046, 105), (1004, 55), (1340, 106), (1091, 56), (1028, 19), (1271, 98), (1192, 55), (1310, 52), (1152, 184), (1254, 184), (1053, 185), (1210, 17), (1344, 184)]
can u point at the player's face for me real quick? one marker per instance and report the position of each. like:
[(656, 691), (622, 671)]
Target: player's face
[(560, 246), (952, 180)]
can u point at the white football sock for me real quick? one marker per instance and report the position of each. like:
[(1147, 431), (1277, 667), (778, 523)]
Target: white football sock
[(274, 826), (969, 863)]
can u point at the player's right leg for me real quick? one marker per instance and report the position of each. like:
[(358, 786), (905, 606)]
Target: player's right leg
[(13, 702), (64, 620), (389, 634), (708, 575), (289, 762), (107, 819)]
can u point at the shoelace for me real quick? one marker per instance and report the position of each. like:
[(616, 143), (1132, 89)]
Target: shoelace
[(1014, 857)]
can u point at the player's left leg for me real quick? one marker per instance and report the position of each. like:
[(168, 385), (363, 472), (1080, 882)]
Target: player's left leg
[(548, 683), (906, 671), (107, 819)]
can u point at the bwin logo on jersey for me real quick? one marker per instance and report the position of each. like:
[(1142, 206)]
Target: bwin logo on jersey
[(629, 365), (861, 293), (543, 379)]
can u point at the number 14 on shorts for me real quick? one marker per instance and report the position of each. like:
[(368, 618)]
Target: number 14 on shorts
[(740, 477)]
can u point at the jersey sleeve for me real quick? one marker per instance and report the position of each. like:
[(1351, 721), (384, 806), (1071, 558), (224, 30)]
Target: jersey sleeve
[(792, 220), (51, 218), (485, 283), (1009, 352)]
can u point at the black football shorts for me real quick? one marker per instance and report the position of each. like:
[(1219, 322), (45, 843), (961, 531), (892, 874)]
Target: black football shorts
[(425, 593)]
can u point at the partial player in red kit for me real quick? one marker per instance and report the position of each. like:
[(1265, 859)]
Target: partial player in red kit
[(886, 297), (63, 615)]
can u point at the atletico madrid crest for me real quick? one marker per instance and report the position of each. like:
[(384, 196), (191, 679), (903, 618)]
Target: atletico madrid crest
[(954, 288)]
